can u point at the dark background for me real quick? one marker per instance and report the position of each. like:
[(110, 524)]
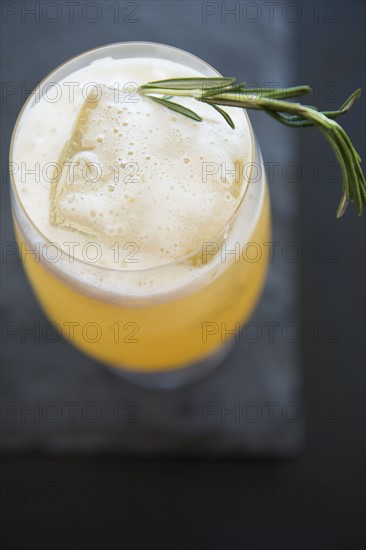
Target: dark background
[(315, 501)]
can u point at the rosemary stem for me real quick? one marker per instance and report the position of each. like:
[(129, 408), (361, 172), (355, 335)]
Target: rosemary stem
[(226, 92), (169, 91)]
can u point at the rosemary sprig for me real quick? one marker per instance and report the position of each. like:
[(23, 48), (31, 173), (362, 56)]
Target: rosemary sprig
[(273, 101)]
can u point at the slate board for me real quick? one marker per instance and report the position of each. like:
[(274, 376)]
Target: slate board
[(259, 382)]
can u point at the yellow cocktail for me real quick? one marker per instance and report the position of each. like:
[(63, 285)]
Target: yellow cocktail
[(143, 234)]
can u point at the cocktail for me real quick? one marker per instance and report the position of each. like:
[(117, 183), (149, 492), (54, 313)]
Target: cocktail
[(144, 234)]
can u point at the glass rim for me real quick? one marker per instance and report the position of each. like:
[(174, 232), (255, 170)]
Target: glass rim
[(73, 259)]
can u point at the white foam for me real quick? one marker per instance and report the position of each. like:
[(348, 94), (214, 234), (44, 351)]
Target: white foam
[(159, 205)]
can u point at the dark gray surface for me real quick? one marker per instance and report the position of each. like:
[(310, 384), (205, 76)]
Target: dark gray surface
[(169, 509), (265, 374)]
